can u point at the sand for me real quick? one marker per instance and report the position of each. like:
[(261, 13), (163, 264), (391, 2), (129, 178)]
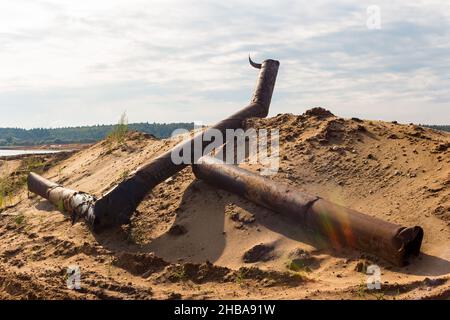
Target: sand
[(188, 240)]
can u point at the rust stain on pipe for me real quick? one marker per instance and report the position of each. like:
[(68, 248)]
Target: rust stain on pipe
[(342, 226)]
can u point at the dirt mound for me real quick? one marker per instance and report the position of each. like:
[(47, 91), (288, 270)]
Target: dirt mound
[(319, 112), (190, 241)]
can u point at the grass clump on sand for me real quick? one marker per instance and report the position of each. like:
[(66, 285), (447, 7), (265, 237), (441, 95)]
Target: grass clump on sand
[(5, 192), (117, 135), (11, 183)]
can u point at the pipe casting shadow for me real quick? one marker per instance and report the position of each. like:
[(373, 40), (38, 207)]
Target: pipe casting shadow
[(117, 205), (342, 226)]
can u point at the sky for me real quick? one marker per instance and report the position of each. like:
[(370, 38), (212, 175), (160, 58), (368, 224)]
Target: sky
[(66, 63)]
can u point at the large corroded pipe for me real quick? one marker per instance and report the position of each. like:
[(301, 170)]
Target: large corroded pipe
[(118, 204), (76, 204), (342, 226)]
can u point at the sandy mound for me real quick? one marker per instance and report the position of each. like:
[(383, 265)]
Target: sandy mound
[(189, 240)]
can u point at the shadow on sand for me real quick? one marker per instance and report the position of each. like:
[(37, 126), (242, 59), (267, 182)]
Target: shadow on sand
[(203, 215)]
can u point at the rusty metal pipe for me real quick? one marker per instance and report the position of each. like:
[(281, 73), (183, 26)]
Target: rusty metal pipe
[(342, 226), (76, 204), (117, 205)]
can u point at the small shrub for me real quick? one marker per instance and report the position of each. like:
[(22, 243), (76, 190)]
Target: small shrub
[(240, 276), (19, 219), (124, 175), (362, 289), (179, 274), (298, 265), (6, 191), (119, 131), (32, 164)]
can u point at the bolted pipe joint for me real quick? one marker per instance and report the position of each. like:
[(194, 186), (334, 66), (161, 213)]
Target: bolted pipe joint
[(78, 205)]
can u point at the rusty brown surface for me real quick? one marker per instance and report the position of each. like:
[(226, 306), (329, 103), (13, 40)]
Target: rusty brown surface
[(341, 226)]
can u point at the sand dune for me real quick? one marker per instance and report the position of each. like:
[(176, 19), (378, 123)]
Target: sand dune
[(191, 241)]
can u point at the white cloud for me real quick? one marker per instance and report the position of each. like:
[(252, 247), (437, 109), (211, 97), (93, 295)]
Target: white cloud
[(76, 62)]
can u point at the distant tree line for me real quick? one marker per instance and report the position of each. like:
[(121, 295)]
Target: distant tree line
[(84, 134), (438, 127), (90, 134)]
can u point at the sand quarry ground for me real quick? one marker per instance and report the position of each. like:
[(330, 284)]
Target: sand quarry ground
[(191, 241)]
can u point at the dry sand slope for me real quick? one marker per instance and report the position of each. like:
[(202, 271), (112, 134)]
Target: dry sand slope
[(191, 241)]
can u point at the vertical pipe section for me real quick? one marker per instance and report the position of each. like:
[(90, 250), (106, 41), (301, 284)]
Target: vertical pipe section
[(342, 226), (117, 205)]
